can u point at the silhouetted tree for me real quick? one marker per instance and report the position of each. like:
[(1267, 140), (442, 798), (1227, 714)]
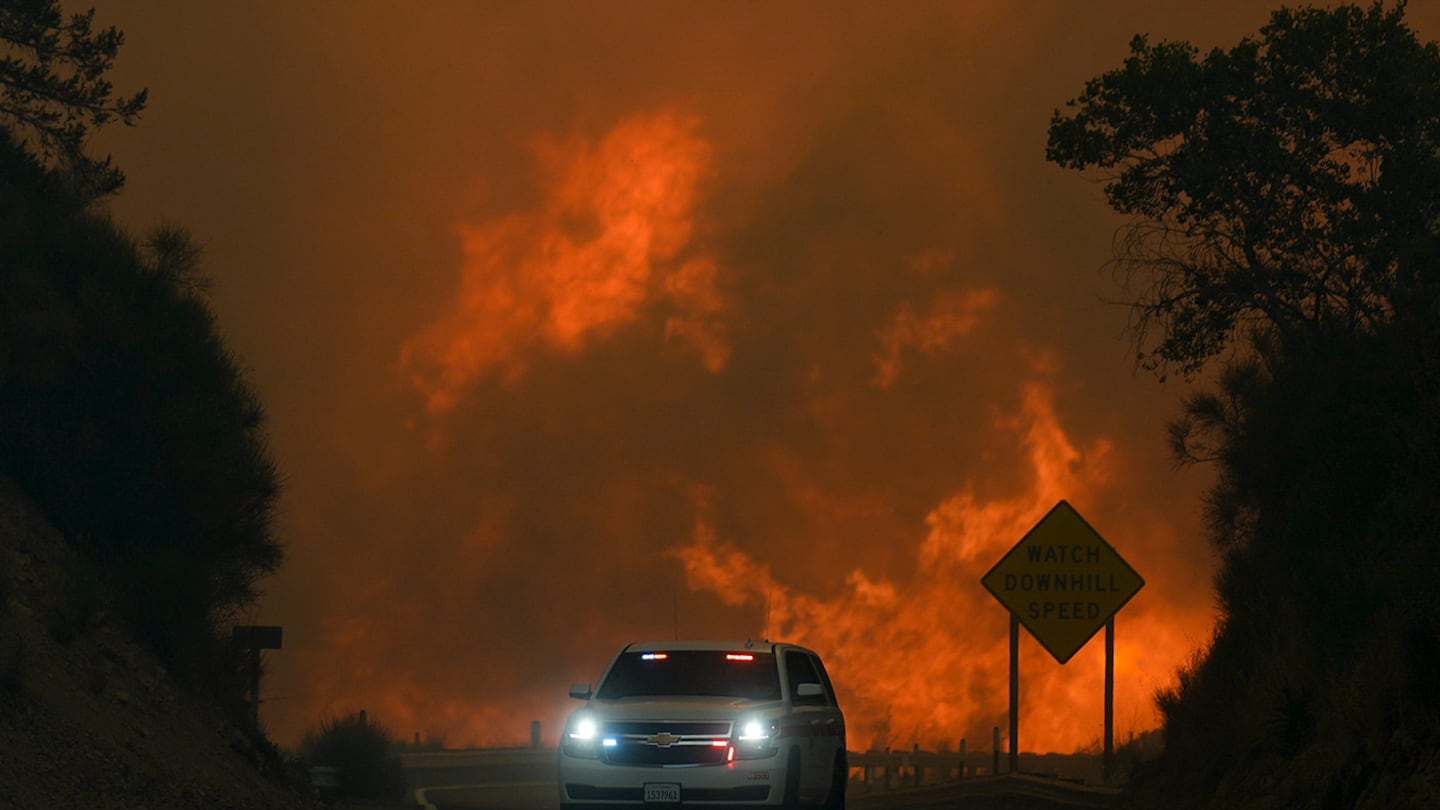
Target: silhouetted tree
[(1284, 197), (126, 417), (1278, 182), (53, 90)]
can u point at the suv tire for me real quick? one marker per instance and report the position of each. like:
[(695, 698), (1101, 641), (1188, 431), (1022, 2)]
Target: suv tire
[(791, 799), (839, 780)]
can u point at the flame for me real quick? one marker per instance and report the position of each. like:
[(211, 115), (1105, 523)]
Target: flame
[(928, 660), (612, 246), (951, 316), (699, 322), (606, 241)]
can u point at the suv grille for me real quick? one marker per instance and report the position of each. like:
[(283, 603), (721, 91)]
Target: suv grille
[(662, 744)]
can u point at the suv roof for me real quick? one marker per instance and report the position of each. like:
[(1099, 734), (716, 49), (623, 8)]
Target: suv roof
[(662, 646)]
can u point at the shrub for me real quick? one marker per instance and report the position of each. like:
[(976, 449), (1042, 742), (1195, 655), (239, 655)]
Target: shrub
[(364, 752)]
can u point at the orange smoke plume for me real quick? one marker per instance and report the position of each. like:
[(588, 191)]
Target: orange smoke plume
[(951, 317), (606, 241), (927, 660)]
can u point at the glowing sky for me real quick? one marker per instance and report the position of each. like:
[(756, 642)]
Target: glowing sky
[(579, 324)]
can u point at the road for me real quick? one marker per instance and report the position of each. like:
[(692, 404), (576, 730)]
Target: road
[(496, 779), (524, 779)]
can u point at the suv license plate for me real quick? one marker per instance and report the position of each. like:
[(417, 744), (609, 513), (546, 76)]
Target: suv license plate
[(662, 793)]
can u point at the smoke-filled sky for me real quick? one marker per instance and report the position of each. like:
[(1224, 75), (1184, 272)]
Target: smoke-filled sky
[(586, 323)]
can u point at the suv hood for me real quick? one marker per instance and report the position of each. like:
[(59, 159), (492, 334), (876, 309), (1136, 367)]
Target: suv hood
[(678, 708)]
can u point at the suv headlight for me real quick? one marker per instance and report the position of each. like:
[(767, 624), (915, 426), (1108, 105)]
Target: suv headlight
[(582, 734), (755, 737)]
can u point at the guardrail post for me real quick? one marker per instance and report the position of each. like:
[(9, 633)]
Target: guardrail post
[(995, 767)]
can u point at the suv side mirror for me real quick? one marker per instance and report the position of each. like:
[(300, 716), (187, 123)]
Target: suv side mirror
[(581, 691), (809, 690)]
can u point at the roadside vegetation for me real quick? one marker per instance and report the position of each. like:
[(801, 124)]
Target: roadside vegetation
[(1283, 205), (363, 754), (122, 412)]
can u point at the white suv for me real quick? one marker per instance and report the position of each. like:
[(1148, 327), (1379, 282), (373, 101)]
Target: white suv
[(699, 723)]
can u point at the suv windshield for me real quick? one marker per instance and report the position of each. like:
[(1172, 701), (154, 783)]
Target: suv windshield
[(748, 675)]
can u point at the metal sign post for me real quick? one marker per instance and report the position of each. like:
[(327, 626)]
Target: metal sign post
[(255, 638), (1109, 695), (1014, 693)]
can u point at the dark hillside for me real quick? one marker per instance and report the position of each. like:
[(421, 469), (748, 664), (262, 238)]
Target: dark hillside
[(88, 717), (136, 488), (1319, 688), (125, 417)]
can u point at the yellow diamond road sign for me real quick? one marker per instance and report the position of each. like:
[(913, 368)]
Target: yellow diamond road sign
[(1063, 581)]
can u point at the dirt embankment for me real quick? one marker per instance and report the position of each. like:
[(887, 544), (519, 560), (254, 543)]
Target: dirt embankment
[(87, 717)]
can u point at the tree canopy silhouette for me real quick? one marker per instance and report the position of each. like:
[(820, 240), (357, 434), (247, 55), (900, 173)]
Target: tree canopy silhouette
[(122, 412), (125, 416), (53, 90), (1284, 201), (1279, 183)]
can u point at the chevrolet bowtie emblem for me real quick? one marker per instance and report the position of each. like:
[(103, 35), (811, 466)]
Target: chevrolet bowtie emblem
[(664, 739)]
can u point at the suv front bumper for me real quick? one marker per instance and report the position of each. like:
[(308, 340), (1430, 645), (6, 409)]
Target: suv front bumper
[(594, 783)]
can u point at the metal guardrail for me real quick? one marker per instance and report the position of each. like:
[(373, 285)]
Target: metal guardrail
[(888, 770), (477, 756), (1006, 790)]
